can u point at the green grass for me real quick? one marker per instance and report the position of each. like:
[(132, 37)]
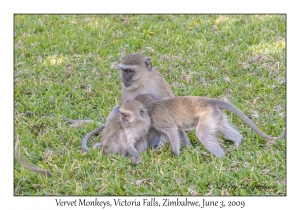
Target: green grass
[(65, 65)]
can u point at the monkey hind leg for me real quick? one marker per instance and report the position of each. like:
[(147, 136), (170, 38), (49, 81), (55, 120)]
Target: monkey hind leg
[(206, 133), (162, 142), (229, 131), (153, 138), (173, 136), (185, 141)]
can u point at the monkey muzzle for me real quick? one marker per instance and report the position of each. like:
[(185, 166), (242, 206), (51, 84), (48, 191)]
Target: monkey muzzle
[(126, 82), (125, 121)]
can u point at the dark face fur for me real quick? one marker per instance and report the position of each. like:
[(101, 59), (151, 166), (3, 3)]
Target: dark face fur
[(127, 75), (132, 66)]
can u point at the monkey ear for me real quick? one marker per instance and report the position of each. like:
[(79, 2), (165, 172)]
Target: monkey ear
[(148, 64), (143, 112)]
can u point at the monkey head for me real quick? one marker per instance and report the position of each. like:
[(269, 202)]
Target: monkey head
[(132, 68), (133, 113)]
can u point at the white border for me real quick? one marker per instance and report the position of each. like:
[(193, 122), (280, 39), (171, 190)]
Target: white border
[(188, 6)]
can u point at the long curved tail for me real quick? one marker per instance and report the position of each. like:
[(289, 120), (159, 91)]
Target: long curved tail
[(28, 165), (224, 105), (31, 166), (89, 135)]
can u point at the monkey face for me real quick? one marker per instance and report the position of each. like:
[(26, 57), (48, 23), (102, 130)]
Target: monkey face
[(127, 76), (132, 68), (132, 112), (125, 119)]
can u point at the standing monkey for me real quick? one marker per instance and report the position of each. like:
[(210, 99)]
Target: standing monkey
[(206, 115), (138, 77)]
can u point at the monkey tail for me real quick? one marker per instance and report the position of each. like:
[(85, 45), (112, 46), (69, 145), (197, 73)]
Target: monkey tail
[(88, 136), (71, 121), (31, 166), (24, 162), (224, 105)]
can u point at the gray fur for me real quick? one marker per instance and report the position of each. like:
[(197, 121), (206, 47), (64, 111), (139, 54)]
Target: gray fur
[(139, 77), (205, 115)]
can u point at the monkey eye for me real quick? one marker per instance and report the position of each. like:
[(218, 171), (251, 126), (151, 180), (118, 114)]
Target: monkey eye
[(129, 71), (124, 115)]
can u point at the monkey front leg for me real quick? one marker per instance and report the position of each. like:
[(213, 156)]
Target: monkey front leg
[(134, 153), (130, 145)]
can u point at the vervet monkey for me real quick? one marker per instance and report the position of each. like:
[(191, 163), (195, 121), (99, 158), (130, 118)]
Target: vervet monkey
[(28, 165), (127, 131), (136, 123), (192, 112), (113, 139), (139, 77), (154, 135)]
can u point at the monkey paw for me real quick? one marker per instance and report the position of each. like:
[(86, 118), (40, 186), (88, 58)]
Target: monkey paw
[(137, 160), (97, 145)]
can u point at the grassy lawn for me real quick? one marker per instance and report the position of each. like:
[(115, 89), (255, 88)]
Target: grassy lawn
[(66, 66)]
